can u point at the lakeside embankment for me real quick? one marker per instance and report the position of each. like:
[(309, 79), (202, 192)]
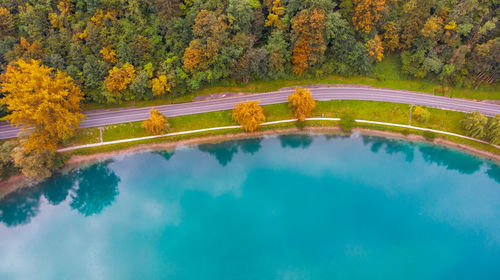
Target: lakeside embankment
[(78, 160)]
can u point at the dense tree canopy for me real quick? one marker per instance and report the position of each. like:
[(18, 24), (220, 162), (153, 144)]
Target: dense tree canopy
[(118, 50)]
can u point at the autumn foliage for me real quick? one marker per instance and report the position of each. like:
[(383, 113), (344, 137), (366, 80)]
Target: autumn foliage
[(109, 54), (309, 47), (157, 124), (160, 85), (209, 32), (301, 103), (274, 17), (27, 50), (375, 49), (391, 36), (119, 78), (367, 13), (192, 57), (5, 19), (45, 102), (249, 115)]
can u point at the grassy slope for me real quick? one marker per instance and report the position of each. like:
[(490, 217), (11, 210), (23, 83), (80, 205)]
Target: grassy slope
[(385, 74), (368, 110)]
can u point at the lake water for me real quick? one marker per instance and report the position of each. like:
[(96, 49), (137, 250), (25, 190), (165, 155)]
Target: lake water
[(287, 207)]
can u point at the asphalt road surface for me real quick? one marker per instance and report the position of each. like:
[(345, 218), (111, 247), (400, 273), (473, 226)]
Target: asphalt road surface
[(106, 117)]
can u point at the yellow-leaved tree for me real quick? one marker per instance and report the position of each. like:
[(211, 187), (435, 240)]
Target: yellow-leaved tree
[(249, 115), (109, 54), (301, 103), (160, 85), (375, 49), (44, 101), (276, 12), (119, 78), (157, 124)]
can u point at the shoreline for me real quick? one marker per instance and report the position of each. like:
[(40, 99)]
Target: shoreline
[(20, 181)]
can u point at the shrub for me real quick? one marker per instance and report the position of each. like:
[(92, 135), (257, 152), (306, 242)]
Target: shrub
[(7, 167), (429, 135), (421, 114), (249, 115), (157, 124), (347, 123), (475, 125), (35, 164), (301, 103)]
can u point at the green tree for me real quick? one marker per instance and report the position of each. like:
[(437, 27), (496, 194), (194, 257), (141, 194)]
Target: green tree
[(240, 15), (279, 55), (493, 130), (475, 125)]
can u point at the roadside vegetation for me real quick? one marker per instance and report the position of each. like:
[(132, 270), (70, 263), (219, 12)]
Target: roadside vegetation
[(347, 110), (125, 52), (157, 124), (249, 115), (301, 103), (47, 105), (57, 55)]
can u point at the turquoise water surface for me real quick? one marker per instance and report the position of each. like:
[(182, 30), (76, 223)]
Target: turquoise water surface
[(287, 207)]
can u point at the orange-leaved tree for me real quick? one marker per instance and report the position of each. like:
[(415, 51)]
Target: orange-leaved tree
[(367, 13), (44, 101), (249, 115), (308, 37), (157, 123), (301, 103)]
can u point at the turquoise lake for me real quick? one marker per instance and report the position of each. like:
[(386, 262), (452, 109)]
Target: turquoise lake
[(283, 207)]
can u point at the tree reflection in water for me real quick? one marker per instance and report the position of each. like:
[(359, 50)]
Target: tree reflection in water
[(390, 146), (165, 154), (451, 159), (92, 189), (251, 146), (494, 172), (296, 141), (97, 188), (224, 152), (19, 207), (55, 189)]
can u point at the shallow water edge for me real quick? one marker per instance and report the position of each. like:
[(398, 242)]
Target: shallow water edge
[(20, 181)]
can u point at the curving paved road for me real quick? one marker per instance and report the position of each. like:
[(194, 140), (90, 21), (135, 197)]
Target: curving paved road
[(107, 117)]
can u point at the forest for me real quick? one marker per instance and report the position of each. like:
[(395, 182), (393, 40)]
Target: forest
[(121, 50)]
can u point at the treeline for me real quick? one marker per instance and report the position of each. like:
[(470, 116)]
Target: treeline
[(118, 50)]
